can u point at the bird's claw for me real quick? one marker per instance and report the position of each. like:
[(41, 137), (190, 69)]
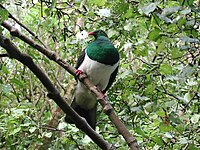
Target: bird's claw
[(104, 94), (78, 72)]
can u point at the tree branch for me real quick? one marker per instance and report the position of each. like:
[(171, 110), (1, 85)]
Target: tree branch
[(53, 92), (195, 95), (4, 55), (107, 108)]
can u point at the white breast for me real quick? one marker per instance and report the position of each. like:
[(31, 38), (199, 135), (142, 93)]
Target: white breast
[(99, 74)]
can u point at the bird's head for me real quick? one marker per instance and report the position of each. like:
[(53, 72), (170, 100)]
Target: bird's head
[(98, 33)]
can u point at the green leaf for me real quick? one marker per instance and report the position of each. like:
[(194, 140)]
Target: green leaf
[(17, 82), (47, 12), (181, 22), (32, 129), (6, 88), (158, 140), (186, 11), (149, 106), (187, 97), (165, 69), (141, 51), (86, 140), (160, 113), (192, 147), (188, 39), (168, 135), (168, 11), (47, 134), (149, 89), (183, 140), (139, 131), (140, 97), (172, 28), (176, 53), (15, 131), (195, 118), (120, 7), (98, 2), (175, 119), (165, 128), (3, 15), (129, 13), (53, 4), (161, 47), (5, 69), (154, 35)]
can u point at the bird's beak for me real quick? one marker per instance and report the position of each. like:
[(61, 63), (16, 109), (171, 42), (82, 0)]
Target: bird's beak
[(91, 33)]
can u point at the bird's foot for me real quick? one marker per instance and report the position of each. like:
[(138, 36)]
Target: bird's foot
[(104, 94), (78, 72)]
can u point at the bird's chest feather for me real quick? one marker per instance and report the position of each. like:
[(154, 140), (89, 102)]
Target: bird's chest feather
[(99, 74)]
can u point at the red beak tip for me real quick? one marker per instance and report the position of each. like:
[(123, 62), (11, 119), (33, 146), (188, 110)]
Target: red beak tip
[(91, 33)]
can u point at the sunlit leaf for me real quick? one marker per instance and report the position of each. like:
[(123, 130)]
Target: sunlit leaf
[(188, 39), (168, 135), (149, 8), (183, 140), (160, 113), (15, 131), (6, 88), (195, 118), (129, 13), (104, 12), (165, 128), (98, 2), (32, 129), (47, 134), (165, 69), (176, 53)]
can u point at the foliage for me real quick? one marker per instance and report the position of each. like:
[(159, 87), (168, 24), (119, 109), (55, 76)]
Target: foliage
[(156, 93)]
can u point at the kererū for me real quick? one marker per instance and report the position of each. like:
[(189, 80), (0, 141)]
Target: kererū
[(99, 61)]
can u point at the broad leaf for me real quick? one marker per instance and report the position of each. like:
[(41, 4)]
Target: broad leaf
[(154, 35)]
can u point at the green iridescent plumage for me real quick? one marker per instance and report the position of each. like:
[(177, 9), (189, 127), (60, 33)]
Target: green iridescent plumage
[(103, 51)]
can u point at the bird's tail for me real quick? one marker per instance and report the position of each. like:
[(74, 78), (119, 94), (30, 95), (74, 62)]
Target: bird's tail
[(89, 115)]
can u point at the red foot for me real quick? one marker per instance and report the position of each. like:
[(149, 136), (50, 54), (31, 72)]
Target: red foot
[(78, 72)]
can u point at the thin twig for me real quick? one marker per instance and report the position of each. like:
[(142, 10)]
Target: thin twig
[(51, 128)]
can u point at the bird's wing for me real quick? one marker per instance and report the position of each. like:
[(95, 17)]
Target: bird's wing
[(80, 59), (111, 80)]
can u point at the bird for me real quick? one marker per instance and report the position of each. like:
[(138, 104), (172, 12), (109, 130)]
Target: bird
[(100, 62)]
